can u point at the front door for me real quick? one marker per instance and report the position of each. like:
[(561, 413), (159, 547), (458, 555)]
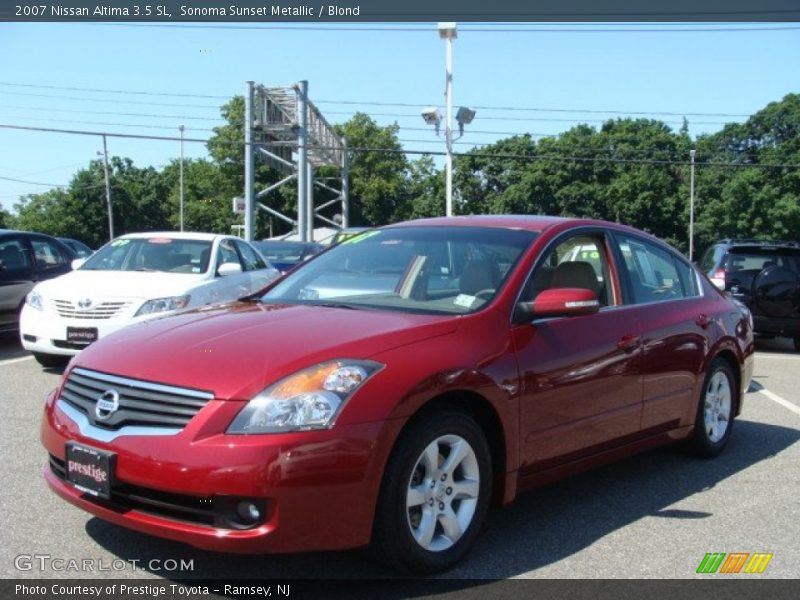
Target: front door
[(581, 377)]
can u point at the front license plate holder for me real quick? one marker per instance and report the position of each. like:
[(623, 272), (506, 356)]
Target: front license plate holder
[(82, 335), (90, 470)]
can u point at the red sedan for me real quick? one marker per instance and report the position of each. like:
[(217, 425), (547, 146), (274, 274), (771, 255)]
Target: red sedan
[(391, 389)]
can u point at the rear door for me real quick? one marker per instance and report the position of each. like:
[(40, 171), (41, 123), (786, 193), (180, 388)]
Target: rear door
[(662, 294)]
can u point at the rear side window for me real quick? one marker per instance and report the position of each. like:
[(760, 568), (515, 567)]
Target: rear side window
[(47, 254), (756, 259), (654, 275), (13, 255), (711, 258)]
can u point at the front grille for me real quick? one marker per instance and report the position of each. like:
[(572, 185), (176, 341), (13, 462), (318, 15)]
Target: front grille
[(104, 310), (213, 511), (139, 403)]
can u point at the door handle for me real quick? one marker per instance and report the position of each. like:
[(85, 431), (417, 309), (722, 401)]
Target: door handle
[(629, 342), (703, 321)]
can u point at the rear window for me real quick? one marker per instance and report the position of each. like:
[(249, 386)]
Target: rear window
[(756, 259)]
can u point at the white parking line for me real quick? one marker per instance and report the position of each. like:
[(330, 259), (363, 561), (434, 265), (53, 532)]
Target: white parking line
[(782, 401), (11, 361), (774, 355)]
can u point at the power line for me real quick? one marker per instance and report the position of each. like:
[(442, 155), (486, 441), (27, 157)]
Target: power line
[(121, 114), (509, 156), (110, 100), (108, 91), (31, 182), (522, 119), (466, 29), (342, 102), (536, 109)]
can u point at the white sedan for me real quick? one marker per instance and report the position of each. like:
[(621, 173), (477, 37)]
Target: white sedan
[(133, 278)]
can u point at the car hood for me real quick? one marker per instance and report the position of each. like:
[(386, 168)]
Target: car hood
[(236, 350), (117, 284)]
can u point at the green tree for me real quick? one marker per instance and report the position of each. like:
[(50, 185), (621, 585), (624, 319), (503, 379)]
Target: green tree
[(377, 178)]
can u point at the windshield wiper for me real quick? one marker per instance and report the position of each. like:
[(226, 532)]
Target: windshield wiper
[(335, 305)]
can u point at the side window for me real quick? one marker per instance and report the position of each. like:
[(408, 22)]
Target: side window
[(252, 261), (578, 262), (652, 272), (47, 254), (13, 255), (688, 278), (226, 253)]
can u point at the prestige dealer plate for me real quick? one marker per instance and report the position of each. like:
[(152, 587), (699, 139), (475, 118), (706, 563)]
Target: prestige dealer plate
[(90, 470)]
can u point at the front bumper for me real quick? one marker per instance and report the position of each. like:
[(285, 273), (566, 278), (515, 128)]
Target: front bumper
[(46, 332), (319, 488)]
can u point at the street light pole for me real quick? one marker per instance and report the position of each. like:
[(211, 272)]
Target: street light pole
[(691, 206), (181, 178), (108, 191), (447, 31)]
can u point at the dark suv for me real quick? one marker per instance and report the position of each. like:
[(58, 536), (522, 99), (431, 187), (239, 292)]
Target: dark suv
[(764, 275)]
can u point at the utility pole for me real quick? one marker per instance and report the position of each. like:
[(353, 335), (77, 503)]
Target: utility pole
[(249, 170), (303, 218), (108, 191), (181, 176), (447, 31), (691, 206)]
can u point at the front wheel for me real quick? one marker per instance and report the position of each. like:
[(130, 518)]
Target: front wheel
[(715, 414), (435, 494), (797, 343)]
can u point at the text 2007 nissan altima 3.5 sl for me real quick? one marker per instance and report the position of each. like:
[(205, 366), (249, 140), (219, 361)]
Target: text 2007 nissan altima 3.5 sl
[(509, 351)]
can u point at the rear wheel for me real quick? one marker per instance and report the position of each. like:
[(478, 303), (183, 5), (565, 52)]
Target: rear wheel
[(51, 361), (715, 413), (435, 494), (797, 344)]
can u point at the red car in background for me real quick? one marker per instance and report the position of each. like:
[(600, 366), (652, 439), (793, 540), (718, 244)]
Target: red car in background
[(508, 352)]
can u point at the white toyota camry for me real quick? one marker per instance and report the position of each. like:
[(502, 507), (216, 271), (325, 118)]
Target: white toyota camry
[(133, 278)]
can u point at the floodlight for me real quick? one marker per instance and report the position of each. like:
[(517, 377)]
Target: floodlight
[(432, 116), (465, 115), (447, 31)]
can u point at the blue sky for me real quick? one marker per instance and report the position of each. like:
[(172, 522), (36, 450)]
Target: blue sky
[(677, 72)]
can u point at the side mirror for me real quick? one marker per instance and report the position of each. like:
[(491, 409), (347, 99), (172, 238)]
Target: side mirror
[(561, 302), (77, 263), (226, 269)]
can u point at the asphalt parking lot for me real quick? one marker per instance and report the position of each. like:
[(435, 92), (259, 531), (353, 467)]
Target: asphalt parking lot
[(650, 516)]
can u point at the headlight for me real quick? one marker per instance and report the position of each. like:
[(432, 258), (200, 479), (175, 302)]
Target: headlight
[(158, 305), (34, 300), (308, 399)]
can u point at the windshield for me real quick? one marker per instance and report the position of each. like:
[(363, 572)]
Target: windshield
[(413, 269), (151, 254)]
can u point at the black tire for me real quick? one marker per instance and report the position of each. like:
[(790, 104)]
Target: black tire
[(797, 344), (705, 441), (51, 361), (393, 540)]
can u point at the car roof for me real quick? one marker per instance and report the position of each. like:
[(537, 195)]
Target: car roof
[(176, 235), (537, 223)]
